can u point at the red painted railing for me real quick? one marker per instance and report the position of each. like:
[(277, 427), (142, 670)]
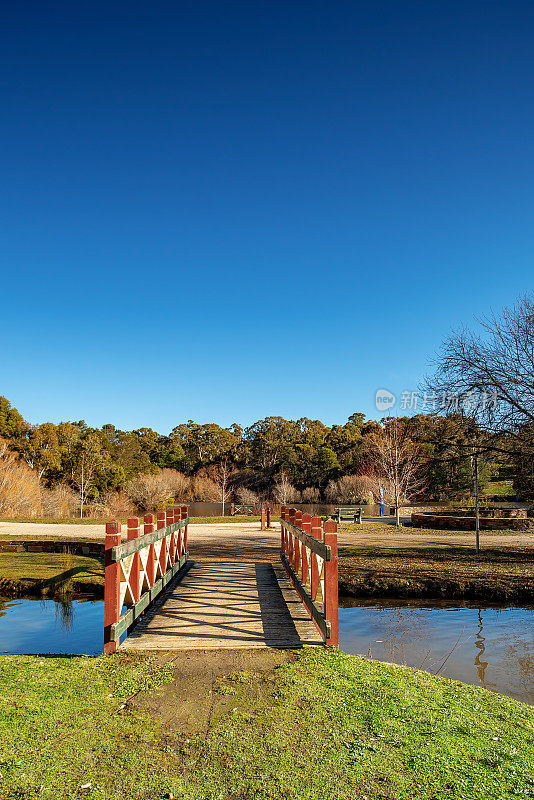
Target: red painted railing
[(308, 550), (138, 569)]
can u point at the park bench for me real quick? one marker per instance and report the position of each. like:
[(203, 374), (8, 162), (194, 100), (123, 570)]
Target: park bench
[(348, 513)]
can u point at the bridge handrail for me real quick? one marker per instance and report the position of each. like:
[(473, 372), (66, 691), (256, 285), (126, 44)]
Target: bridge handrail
[(308, 551), (137, 570)]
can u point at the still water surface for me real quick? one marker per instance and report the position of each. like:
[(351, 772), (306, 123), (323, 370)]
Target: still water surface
[(48, 626), (490, 646)]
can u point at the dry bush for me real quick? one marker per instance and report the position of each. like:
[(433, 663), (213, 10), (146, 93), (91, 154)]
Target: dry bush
[(19, 486), (311, 495), (148, 492), (246, 496), (60, 502), (117, 505), (351, 489), (179, 485), (204, 489)]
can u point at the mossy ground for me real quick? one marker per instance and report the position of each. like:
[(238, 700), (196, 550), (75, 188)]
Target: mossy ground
[(326, 726)]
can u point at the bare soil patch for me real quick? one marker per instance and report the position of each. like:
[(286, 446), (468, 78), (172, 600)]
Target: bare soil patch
[(208, 684)]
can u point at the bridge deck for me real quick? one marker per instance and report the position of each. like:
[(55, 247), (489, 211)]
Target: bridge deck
[(220, 605)]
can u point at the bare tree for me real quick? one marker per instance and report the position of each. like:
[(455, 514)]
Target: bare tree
[(399, 462), (284, 491), (89, 458), (489, 375), (222, 479)]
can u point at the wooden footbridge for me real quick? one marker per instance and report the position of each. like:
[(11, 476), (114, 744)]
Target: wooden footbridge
[(157, 598)]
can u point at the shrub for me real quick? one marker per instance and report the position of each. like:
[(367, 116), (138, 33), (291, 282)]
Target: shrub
[(61, 501), (19, 486), (311, 495), (246, 496)]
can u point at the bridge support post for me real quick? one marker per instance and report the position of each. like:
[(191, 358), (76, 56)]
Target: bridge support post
[(169, 519), (296, 542), (135, 571), (184, 540), (149, 527), (112, 585), (306, 527), (317, 533), (292, 512), (283, 547), (331, 583), (268, 516), (161, 522)]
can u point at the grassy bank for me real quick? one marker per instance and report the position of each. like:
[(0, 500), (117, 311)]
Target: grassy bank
[(50, 575), (496, 574), (325, 726)]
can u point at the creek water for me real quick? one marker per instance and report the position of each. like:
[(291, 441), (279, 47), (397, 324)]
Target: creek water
[(490, 646), (49, 626)]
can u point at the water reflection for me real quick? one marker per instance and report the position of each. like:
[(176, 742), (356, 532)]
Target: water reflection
[(491, 647), (51, 626)]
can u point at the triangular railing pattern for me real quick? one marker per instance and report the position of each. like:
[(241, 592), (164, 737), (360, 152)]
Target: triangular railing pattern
[(308, 550), (138, 569)]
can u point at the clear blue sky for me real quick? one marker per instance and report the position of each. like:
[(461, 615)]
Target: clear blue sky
[(227, 210)]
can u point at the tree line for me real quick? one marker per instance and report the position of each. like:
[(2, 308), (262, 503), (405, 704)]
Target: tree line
[(424, 456)]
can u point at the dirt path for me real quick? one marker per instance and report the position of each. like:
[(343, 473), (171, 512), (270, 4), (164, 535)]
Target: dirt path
[(244, 541)]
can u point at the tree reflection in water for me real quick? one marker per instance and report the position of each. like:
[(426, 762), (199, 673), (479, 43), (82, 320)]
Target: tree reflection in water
[(490, 646)]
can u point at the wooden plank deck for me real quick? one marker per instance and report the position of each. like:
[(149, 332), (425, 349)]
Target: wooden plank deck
[(227, 605)]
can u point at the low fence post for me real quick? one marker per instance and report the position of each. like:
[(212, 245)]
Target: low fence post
[(292, 512), (331, 583), (262, 518), (232, 509), (268, 516), (112, 586), (135, 571)]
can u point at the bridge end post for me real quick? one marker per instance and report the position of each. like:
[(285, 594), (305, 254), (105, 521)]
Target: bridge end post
[(112, 586), (331, 601)]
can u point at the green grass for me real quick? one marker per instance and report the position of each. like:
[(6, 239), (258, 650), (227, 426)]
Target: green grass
[(328, 726), (50, 573)]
